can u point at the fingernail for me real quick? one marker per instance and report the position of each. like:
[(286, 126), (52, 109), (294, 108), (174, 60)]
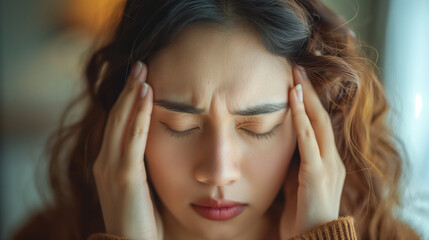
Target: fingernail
[(298, 89), (144, 90), (137, 69)]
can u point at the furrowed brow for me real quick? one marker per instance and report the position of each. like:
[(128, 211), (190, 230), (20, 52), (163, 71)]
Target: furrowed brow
[(178, 107), (265, 108)]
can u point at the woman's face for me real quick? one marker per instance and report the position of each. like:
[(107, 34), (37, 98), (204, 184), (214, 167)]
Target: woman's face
[(213, 83)]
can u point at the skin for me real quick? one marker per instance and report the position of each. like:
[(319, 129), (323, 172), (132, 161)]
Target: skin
[(221, 71), (218, 159)]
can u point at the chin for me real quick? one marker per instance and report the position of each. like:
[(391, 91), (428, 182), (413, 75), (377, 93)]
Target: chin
[(218, 230)]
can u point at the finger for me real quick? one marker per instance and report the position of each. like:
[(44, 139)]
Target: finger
[(317, 114), (121, 113), (307, 143), (138, 132)]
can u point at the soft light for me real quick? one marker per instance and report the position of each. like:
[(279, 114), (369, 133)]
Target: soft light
[(418, 104), (92, 16)]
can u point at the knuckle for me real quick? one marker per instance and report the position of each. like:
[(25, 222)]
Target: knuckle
[(138, 132), (307, 132)]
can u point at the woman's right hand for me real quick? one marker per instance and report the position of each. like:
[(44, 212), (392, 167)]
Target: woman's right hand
[(119, 169)]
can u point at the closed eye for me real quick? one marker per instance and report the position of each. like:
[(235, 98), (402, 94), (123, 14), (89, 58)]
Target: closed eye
[(178, 134), (258, 136)]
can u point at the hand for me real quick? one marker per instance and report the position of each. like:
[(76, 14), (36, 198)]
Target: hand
[(119, 169), (312, 189)]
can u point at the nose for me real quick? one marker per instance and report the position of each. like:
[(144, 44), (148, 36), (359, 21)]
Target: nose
[(220, 165)]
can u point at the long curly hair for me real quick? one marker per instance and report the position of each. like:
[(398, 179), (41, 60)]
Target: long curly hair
[(307, 34)]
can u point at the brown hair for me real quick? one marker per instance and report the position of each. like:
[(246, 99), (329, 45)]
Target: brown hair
[(305, 32)]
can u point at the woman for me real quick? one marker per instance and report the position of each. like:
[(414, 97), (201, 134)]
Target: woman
[(215, 119)]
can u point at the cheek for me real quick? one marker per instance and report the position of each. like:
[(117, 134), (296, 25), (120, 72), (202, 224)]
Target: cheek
[(266, 168), (167, 166)]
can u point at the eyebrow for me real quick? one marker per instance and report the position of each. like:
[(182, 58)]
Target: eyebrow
[(265, 108)]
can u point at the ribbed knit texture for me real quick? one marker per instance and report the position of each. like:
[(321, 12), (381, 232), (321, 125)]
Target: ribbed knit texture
[(340, 229), (105, 236)]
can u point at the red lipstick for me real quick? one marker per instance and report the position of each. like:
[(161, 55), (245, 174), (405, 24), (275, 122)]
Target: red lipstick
[(218, 210)]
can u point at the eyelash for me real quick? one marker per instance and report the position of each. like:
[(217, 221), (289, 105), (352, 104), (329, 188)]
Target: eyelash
[(258, 136), (178, 134)]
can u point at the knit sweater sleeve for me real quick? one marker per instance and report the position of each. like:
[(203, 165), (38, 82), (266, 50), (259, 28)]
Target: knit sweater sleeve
[(340, 229)]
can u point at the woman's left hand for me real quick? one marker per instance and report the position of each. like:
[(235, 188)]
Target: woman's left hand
[(312, 189)]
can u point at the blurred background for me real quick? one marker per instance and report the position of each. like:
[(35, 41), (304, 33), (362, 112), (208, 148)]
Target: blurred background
[(43, 45)]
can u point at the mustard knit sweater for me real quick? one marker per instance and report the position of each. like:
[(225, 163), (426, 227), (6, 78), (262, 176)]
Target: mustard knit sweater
[(340, 229)]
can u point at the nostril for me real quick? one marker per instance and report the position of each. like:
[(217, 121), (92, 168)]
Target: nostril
[(216, 181), (202, 180), (217, 172)]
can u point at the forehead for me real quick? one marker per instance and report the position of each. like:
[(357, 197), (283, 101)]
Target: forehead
[(207, 61)]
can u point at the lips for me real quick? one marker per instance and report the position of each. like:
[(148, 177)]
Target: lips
[(218, 210)]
